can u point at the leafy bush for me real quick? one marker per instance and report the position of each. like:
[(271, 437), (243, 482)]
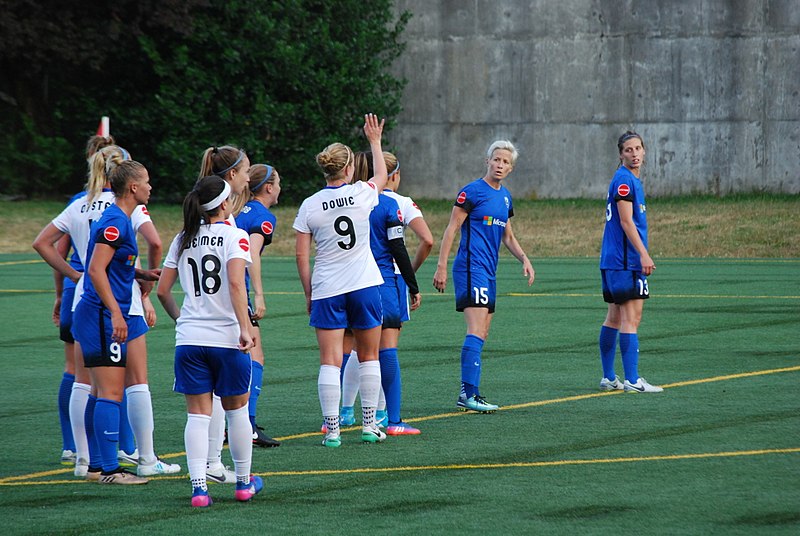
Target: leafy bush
[(282, 79)]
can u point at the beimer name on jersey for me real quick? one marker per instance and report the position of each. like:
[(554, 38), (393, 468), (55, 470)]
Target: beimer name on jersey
[(488, 220), (95, 205), (339, 202), (206, 240)]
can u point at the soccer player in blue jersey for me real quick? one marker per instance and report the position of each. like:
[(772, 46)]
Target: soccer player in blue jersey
[(108, 335), (387, 232), (482, 211), (259, 222), (624, 266)]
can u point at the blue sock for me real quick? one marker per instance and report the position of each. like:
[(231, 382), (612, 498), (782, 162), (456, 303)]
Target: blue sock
[(126, 440), (471, 365), (345, 358), (629, 347), (94, 449), (391, 382), (255, 390), (64, 392), (106, 428), (608, 350)]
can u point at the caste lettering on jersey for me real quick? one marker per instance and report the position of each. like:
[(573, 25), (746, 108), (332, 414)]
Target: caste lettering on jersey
[(97, 204), (339, 202), (206, 240)]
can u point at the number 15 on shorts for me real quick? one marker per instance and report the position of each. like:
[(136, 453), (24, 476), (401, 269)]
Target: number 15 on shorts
[(480, 295)]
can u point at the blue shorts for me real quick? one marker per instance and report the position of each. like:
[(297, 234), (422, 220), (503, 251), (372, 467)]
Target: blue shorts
[(405, 306), (206, 369), (359, 309), (474, 289), (65, 313), (620, 286), (394, 301), (92, 329)]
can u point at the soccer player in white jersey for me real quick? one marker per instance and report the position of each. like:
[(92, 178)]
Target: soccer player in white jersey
[(343, 290), (233, 165), (212, 331), (76, 220)]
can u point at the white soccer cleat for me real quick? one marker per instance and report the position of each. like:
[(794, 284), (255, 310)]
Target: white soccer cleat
[(160, 467), (611, 385), (68, 457), (128, 460), (220, 474), (641, 386), (81, 467)]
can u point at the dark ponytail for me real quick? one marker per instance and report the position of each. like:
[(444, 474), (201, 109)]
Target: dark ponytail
[(204, 191)]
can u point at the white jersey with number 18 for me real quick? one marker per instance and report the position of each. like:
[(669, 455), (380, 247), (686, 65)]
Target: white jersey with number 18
[(207, 316)]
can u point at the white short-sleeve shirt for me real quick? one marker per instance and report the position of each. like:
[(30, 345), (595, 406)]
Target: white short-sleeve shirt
[(338, 219), (207, 315), (76, 220)]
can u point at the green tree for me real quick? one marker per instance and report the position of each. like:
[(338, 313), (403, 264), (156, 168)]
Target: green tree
[(281, 79)]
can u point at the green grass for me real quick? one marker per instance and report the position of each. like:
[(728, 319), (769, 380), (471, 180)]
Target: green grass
[(560, 458)]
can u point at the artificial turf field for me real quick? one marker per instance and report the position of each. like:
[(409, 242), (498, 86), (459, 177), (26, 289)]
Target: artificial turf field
[(718, 452)]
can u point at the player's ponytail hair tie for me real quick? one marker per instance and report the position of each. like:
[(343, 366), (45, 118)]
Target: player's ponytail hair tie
[(217, 201)]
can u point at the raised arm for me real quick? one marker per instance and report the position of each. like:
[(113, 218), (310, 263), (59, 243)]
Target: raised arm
[(373, 129)]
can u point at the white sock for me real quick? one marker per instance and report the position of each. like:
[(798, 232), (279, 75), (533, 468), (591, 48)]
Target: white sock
[(140, 415), (77, 410), (350, 380), (240, 440), (382, 401), (328, 387), (216, 432), (369, 386), (195, 438)]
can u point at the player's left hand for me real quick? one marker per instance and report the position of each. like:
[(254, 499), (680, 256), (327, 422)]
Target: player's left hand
[(148, 275), (416, 301), (528, 271)]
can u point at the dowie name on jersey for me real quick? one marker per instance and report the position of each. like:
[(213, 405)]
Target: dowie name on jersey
[(205, 240), (339, 202)]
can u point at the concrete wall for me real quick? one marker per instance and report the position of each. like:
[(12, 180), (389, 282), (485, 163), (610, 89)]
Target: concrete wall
[(711, 85)]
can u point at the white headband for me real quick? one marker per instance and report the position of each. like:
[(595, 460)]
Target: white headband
[(217, 201)]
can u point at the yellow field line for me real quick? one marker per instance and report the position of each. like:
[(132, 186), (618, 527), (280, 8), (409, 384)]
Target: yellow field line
[(658, 296), (459, 467), (26, 478)]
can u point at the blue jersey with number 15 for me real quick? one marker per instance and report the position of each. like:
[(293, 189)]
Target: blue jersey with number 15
[(488, 212)]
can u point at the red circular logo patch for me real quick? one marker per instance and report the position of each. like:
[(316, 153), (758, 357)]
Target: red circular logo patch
[(461, 198), (111, 233), (144, 210), (266, 227), (244, 244), (623, 190), (400, 216), (415, 206)]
